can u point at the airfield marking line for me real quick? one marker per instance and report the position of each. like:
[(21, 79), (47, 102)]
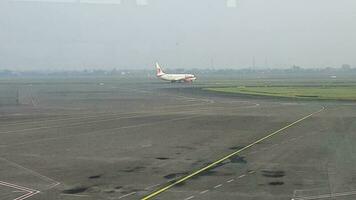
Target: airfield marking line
[(75, 124), (241, 176), (152, 186), (91, 121), (229, 156), (27, 196), (217, 186), (203, 192), (102, 114), (323, 196), (98, 131), (53, 185), (137, 114), (30, 192), (76, 195), (45, 178), (16, 186), (188, 198), (231, 180), (126, 195)]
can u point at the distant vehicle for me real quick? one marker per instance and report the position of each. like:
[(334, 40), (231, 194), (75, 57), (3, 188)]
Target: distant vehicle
[(174, 77)]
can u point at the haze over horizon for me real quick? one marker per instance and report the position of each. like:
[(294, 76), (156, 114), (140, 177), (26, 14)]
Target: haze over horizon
[(66, 34)]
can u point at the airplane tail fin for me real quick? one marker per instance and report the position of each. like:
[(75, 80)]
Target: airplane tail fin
[(159, 71)]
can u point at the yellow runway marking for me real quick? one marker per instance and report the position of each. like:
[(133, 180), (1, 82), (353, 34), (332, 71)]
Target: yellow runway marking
[(226, 157)]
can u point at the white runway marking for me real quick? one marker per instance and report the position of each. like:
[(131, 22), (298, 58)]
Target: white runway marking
[(73, 124), (18, 191), (203, 192), (94, 132), (152, 186), (105, 114), (191, 197), (76, 195), (243, 175), (217, 186), (231, 180), (42, 177), (324, 196), (30, 192), (53, 185), (137, 114), (126, 195)]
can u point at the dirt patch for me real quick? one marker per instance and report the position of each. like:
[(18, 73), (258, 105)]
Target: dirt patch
[(273, 174), (95, 176), (162, 158), (238, 159), (276, 183), (75, 190), (174, 175), (134, 169), (236, 147)]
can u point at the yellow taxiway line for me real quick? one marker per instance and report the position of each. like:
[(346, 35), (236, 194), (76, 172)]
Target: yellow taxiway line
[(161, 190)]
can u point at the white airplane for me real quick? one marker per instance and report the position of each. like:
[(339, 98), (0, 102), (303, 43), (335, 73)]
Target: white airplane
[(174, 77)]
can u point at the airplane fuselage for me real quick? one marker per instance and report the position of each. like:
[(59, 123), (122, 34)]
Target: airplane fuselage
[(174, 77), (177, 77)]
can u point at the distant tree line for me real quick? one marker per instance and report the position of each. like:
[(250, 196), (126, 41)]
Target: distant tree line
[(345, 68)]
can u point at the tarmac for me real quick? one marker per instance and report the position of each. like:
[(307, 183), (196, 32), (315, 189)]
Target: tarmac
[(153, 140)]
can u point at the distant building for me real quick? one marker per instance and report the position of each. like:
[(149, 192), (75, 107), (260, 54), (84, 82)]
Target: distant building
[(346, 67), (296, 68)]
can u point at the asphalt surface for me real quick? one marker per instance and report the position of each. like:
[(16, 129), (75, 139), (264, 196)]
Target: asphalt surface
[(126, 141)]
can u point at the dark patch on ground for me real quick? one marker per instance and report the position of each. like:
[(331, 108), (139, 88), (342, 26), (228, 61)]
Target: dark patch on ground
[(75, 190), (208, 173), (238, 159), (276, 183), (174, 175), (236, 147), (128, 191), (216, 166), (180, 184), (273, 174), (95, 176), (185, 147), (134, 169), (118, 187), (162, 158)]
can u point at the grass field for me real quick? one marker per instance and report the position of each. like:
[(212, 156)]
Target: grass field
[(305, 92)]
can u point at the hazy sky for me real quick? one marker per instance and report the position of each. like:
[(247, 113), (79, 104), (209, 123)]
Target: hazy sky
[(65, 34)]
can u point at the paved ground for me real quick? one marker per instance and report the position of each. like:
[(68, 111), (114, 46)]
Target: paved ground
[(125, 141)]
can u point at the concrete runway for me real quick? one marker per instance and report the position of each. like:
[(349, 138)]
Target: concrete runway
[(127, 141)]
